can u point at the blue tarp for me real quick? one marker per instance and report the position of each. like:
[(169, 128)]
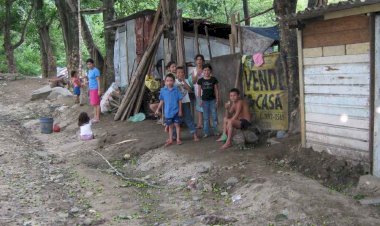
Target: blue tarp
[(269, 32)]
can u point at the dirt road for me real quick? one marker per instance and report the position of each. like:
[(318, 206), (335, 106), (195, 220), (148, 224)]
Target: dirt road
[(57, 180)]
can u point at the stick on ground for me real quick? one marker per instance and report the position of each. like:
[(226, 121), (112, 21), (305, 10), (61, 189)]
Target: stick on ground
[(122, 176)]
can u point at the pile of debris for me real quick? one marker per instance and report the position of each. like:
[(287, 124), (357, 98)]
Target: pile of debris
[(133, 97)]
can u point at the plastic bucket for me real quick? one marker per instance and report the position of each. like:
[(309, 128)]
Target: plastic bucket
[(46, 125)]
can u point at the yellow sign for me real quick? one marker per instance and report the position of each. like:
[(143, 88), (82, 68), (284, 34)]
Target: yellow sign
[(266, 87)]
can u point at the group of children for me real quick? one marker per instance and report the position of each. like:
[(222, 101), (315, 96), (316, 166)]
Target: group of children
[(93, 84), (175, 100)]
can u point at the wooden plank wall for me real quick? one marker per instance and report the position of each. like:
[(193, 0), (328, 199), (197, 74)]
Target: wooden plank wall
[(336, 64)]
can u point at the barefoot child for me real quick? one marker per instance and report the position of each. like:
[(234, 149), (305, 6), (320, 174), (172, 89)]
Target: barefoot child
[(241, 118), (195, 75), (85, 127), (209, 91), (171, 98), (75, 81), (183, 86)]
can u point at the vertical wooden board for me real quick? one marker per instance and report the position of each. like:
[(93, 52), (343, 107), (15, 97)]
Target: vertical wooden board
[(139, 32), (327, 99), (301, 87), (376, 131), (345, 59), (339, 89), (147, 30), (351, 133), (358, 68), (337, 79), (342, 152), (336, 120), (350, 111), (131, 48), (337, 141)]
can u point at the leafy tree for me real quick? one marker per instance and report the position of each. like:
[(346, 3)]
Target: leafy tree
[(11, 16)]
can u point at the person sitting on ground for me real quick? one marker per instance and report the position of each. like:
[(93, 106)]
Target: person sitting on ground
[(184, 87), (75, 81), (171, 98), (85, 127), (241, 118)]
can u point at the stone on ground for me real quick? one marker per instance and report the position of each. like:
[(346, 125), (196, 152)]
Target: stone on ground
[(59, 91), (41, 93)]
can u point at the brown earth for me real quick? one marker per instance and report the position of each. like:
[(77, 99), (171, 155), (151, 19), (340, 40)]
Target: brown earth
[(56, 179)]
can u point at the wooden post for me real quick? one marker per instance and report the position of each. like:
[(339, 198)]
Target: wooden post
[(233, 28), (232, 44), (239, 33), (208, 42), (181, 58), (196, 41), (302, 88)]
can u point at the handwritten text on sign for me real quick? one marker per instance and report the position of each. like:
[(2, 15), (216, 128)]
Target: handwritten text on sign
[(264, 86)]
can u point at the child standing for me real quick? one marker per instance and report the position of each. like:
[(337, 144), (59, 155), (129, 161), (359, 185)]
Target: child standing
[(171, 98), (85, 127), (209, 91), (195, 75), (184, 87), (75, 81)]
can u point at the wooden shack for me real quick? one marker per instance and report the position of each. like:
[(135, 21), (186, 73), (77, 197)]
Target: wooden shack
[(339, 62)]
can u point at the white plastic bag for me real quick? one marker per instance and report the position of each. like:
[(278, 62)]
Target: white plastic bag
[(105, 101)]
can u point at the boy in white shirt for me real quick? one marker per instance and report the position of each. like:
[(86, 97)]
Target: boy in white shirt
[(184, 87)]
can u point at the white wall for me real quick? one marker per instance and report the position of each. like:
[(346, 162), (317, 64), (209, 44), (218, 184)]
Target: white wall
[(336, 82)]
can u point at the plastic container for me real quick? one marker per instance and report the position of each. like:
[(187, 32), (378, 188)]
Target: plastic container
[(46, 125)]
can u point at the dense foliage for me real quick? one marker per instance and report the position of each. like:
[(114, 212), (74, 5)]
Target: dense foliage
[(28, 56)]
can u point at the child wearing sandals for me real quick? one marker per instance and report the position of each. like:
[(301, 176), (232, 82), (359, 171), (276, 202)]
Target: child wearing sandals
[(171, 98)]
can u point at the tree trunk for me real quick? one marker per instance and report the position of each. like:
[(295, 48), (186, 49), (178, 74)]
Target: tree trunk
[(109, 36), (169, 9), (246, 13), (8, 46), (67, 10), (316, 3), (48, 61), (7, 38), (289, 52)]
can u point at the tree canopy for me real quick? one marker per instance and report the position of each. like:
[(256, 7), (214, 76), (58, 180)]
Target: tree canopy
[(27, 58)]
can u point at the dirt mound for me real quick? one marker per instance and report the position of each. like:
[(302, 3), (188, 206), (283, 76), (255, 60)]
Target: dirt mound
[(337, 174)]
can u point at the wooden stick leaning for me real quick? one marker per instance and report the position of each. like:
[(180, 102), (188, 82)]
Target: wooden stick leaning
[(122, 176), (138, 73), (153, 30), (143, 87)]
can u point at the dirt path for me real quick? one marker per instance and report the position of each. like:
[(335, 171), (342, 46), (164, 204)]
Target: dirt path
[(57, 180)]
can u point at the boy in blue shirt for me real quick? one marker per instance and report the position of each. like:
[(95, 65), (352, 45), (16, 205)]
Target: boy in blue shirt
[(171, 98)]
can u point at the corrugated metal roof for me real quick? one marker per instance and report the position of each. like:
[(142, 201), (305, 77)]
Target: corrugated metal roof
[(320, 11)]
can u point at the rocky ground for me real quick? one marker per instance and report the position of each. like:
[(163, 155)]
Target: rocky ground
[(55, 179)]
